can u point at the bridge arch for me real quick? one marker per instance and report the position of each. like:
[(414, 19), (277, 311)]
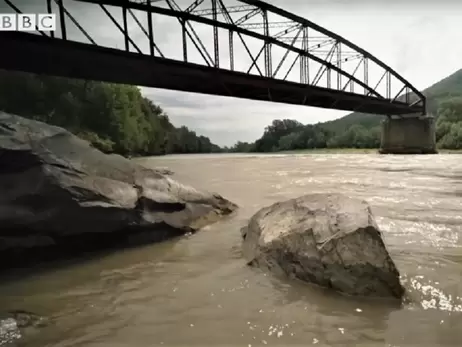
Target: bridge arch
[(266, 85)]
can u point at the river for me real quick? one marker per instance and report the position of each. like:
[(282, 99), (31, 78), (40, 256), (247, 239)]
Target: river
[(197, 290)]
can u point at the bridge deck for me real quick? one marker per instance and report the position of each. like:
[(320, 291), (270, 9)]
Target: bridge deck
[(38, 54)]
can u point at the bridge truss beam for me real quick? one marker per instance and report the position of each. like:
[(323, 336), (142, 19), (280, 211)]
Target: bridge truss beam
[(321, 55)]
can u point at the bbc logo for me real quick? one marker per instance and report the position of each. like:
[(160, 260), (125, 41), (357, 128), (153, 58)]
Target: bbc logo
[(27, 22)]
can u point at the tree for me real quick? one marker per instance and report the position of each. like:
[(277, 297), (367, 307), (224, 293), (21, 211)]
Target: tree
[(241, 147), (449, 123), (278, 128)]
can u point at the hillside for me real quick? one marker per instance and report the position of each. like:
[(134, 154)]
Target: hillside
[(360, 130), (448, 87)]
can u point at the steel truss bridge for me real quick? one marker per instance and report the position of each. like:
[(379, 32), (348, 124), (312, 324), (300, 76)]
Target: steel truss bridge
[(240, 48)]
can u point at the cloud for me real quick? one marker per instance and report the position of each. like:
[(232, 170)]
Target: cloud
[(419, 39)]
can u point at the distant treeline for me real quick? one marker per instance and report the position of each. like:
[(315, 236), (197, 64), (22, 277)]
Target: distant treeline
[(287, 134), (113, 117)]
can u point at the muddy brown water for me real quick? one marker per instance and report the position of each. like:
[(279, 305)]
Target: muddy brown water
[(197, 290)]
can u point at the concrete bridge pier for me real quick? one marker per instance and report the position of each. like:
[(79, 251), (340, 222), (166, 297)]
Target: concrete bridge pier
[(408, 135)]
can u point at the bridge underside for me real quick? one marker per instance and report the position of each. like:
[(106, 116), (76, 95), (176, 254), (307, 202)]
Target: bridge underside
[(42, 55)]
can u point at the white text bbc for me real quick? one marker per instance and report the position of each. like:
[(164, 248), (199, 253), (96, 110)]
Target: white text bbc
[(27, 22)]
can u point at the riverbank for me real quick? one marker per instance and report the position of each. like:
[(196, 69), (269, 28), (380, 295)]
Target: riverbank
[(332, 151), (350, 151)]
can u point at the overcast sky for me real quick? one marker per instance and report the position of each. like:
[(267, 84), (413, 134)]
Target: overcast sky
[(421, 40)]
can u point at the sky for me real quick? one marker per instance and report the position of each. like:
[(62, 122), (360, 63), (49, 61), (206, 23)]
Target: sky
[(421, 40)]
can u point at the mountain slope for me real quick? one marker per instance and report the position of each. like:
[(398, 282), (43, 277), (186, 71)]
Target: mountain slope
[(450, 86)]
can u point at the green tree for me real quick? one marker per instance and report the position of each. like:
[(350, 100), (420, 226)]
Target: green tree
[(278, 128), (449, 123), (241, 147), (113, 117)]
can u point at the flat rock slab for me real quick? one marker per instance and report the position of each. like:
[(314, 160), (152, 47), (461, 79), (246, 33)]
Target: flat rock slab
[(326, 239)]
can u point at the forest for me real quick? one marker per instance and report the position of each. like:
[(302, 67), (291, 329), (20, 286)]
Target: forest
[(115, 118)]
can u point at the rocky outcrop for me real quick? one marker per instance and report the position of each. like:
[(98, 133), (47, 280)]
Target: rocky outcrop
[(56, 189), (327, 239)]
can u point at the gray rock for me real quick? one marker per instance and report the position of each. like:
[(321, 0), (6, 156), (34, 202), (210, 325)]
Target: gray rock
[(54, 185), (164, 171), (327, 239)]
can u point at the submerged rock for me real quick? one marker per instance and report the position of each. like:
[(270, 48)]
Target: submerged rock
[(164, 171), (26, 319), (327, 239), (55, 188)]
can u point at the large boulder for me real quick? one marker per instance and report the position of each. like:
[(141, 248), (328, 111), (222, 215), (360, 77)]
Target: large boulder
[(55, 187), (327, 239)]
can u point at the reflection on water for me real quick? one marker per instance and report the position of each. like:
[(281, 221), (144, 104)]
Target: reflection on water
[(197, 291)]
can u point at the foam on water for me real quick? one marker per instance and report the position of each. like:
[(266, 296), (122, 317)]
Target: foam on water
[(9, 331)]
